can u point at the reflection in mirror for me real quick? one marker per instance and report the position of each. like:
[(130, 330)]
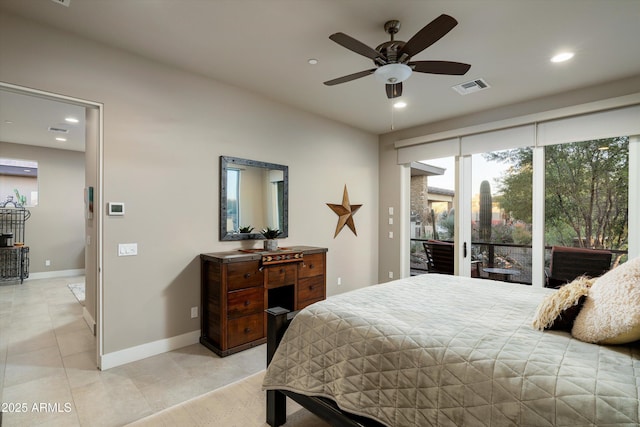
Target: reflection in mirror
[(19, 181), (252, 195)]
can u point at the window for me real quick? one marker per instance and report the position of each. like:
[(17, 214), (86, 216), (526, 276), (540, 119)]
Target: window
[(19, 181), (584, 180), (586, 195), (501, 214), (432, 202)]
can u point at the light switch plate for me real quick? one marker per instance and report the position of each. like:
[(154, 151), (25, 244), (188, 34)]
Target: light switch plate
[(127, 249)]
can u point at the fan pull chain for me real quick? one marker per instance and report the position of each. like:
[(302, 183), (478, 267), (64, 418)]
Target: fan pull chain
[(392, 114)]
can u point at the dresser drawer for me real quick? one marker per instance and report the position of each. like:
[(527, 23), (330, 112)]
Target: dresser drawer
[(311, 288), (280, 275), (245, 329), (244, 275), (311, 265), (308, 302), (247, 301)]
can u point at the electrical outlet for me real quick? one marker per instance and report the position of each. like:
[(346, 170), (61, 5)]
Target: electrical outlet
[(194, 312), (339, 281), (391, 275), (391, 234), (47, 263)]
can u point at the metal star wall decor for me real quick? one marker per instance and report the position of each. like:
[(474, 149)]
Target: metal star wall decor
[(345, 213)]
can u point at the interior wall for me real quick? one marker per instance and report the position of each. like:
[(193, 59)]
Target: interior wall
[(164, 130), (54, 231), (393, 177)]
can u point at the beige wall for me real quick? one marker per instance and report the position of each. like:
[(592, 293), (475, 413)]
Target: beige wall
[(394, 178), (55, 229), (164, 130)]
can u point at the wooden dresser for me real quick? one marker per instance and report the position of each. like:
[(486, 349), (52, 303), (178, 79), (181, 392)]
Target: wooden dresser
[(238, 286)]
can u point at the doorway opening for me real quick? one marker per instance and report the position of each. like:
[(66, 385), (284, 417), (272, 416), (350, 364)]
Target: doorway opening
[(81, 123)]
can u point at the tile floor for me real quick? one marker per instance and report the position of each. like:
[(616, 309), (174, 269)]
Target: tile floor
[(47, 359)]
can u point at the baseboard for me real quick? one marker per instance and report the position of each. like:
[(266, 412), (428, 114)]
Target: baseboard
[(59, 273), (89, 319), (139, 352)]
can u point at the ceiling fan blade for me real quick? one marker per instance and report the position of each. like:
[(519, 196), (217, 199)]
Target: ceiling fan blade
[(440, 67), (350, 77), (354, 45), (431, 33), (394, 90)]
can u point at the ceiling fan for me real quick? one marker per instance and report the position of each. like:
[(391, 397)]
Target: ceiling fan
[(393, 58)]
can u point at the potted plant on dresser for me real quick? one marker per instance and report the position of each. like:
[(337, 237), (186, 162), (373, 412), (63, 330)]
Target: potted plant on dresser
[(270, 235)]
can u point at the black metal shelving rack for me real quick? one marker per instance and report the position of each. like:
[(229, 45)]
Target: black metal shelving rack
[(14, 259)]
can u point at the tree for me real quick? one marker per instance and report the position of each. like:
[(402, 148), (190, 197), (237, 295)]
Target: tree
[(515, 184), (586, 190)]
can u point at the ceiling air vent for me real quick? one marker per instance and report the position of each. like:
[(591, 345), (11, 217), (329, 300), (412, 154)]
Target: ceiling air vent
[(59, 130), (472, 86)]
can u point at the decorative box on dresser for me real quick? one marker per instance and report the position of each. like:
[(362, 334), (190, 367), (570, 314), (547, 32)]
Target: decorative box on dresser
[(238, 286)]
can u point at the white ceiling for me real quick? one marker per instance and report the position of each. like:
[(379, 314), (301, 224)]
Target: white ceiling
[(264, 46), (26, 119)]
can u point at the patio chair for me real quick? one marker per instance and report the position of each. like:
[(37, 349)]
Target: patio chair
[(439, 256), (569, 263)]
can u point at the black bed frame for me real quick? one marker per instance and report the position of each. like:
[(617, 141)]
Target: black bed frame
[(278, 320)]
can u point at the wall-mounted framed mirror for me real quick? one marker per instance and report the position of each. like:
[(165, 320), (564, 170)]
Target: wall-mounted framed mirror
[(252, 194)]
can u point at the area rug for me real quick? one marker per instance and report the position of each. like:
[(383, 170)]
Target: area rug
[(78, 290), (241, 404)]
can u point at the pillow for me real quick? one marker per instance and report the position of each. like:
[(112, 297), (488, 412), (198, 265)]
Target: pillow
[(611, 312), (559, 309)]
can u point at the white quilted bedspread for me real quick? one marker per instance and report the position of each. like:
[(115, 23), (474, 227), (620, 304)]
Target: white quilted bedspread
[(443, 350)]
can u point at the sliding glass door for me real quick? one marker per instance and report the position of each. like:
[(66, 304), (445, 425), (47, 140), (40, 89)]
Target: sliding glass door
[(566, 183), (501, 215), (433, 198)]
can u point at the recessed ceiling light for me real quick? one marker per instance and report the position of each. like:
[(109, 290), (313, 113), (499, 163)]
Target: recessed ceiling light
[(8, 122), (399, 104), (561, 57), (312, 61), (61, 139), (71, 119)]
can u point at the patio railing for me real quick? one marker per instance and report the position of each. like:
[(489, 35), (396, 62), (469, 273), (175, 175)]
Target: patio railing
[(514, 258)]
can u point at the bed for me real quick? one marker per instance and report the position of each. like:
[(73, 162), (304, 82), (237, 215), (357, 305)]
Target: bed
[(437, 350)]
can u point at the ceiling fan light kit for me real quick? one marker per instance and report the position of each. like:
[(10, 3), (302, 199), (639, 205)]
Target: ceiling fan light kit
[(392, 58), (392, 73)]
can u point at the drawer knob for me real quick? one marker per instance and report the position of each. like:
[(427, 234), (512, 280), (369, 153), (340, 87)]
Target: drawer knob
[(310, 265), (311, 287), (247, 330), (247, 303), (282, 271), (247, 275)]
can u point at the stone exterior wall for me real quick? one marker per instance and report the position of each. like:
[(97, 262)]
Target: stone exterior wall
[(419, 198)]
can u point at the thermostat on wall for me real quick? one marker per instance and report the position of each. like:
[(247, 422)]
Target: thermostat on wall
[(116, 208)]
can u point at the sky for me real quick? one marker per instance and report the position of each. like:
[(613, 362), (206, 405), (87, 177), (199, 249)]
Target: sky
[(482, 170)]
